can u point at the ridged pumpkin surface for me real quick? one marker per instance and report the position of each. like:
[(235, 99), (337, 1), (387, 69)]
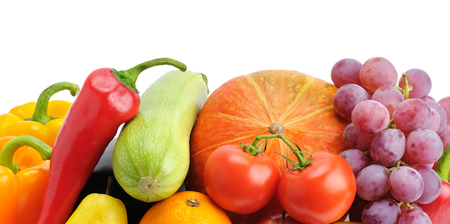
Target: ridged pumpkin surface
[(261, 103)]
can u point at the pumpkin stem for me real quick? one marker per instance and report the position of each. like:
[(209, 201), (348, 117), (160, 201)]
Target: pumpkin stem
[(276, 128)]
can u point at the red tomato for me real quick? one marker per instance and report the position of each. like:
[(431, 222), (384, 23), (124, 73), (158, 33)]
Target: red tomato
[(238, 181), (439, 209), (321, 193)]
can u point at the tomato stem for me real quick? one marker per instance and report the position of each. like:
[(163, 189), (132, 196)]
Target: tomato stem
[(251, 149), (254, 150)]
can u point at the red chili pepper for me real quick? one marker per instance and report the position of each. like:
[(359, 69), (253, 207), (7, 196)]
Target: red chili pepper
[(439, 209), (107, 99)]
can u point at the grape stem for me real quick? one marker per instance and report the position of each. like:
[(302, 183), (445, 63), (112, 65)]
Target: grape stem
[(392, 124), (408, 205), (399, 163), (406, 87)]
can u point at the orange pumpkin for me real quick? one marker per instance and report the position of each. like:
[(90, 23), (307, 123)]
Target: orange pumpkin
[(261, 103)]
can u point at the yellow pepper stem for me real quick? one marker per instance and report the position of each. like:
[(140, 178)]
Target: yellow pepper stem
[(6, 155), (40, 113)]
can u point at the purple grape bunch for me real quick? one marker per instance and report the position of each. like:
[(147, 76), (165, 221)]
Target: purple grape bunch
[(397, 133)]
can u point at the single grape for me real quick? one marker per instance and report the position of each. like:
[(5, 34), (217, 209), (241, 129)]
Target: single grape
[(410, 161), (372, 182), (414, 216), (346, 71), (419, 80), (445, 135), (406, 184), (384, 211), (388, 147), (435, 121), (439, 109), (377, 72), (432, 183), (354, 139), (355, 159), (424, 146), (346, 98), (389, 96), (445, 104), (411, 114), (370, 117), (429, 165)]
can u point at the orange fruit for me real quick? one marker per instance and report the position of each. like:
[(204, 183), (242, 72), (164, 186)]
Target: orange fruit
[(186, 207)]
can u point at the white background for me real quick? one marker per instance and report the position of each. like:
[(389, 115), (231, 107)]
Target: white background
[(44, 42)]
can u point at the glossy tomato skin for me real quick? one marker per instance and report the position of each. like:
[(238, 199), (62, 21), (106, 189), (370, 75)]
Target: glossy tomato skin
[(439, 209), (321, 193), (238, 181)]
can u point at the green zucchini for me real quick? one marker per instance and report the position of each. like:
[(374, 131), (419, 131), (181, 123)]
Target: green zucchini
[(151, 155)]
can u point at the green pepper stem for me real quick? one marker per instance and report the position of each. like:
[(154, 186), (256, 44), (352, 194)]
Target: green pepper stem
[(7, 153), (129, 77), (443, 165), (40, 113)]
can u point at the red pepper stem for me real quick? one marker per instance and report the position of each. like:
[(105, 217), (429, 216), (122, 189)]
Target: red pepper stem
[(7, 153), (129, 77), (40, 113), (443, 165)]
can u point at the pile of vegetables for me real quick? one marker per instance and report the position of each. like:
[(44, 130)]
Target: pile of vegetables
[(262, 148)]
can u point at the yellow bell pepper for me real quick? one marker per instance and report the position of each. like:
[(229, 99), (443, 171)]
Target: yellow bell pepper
[(21, 190), (42, 119)]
